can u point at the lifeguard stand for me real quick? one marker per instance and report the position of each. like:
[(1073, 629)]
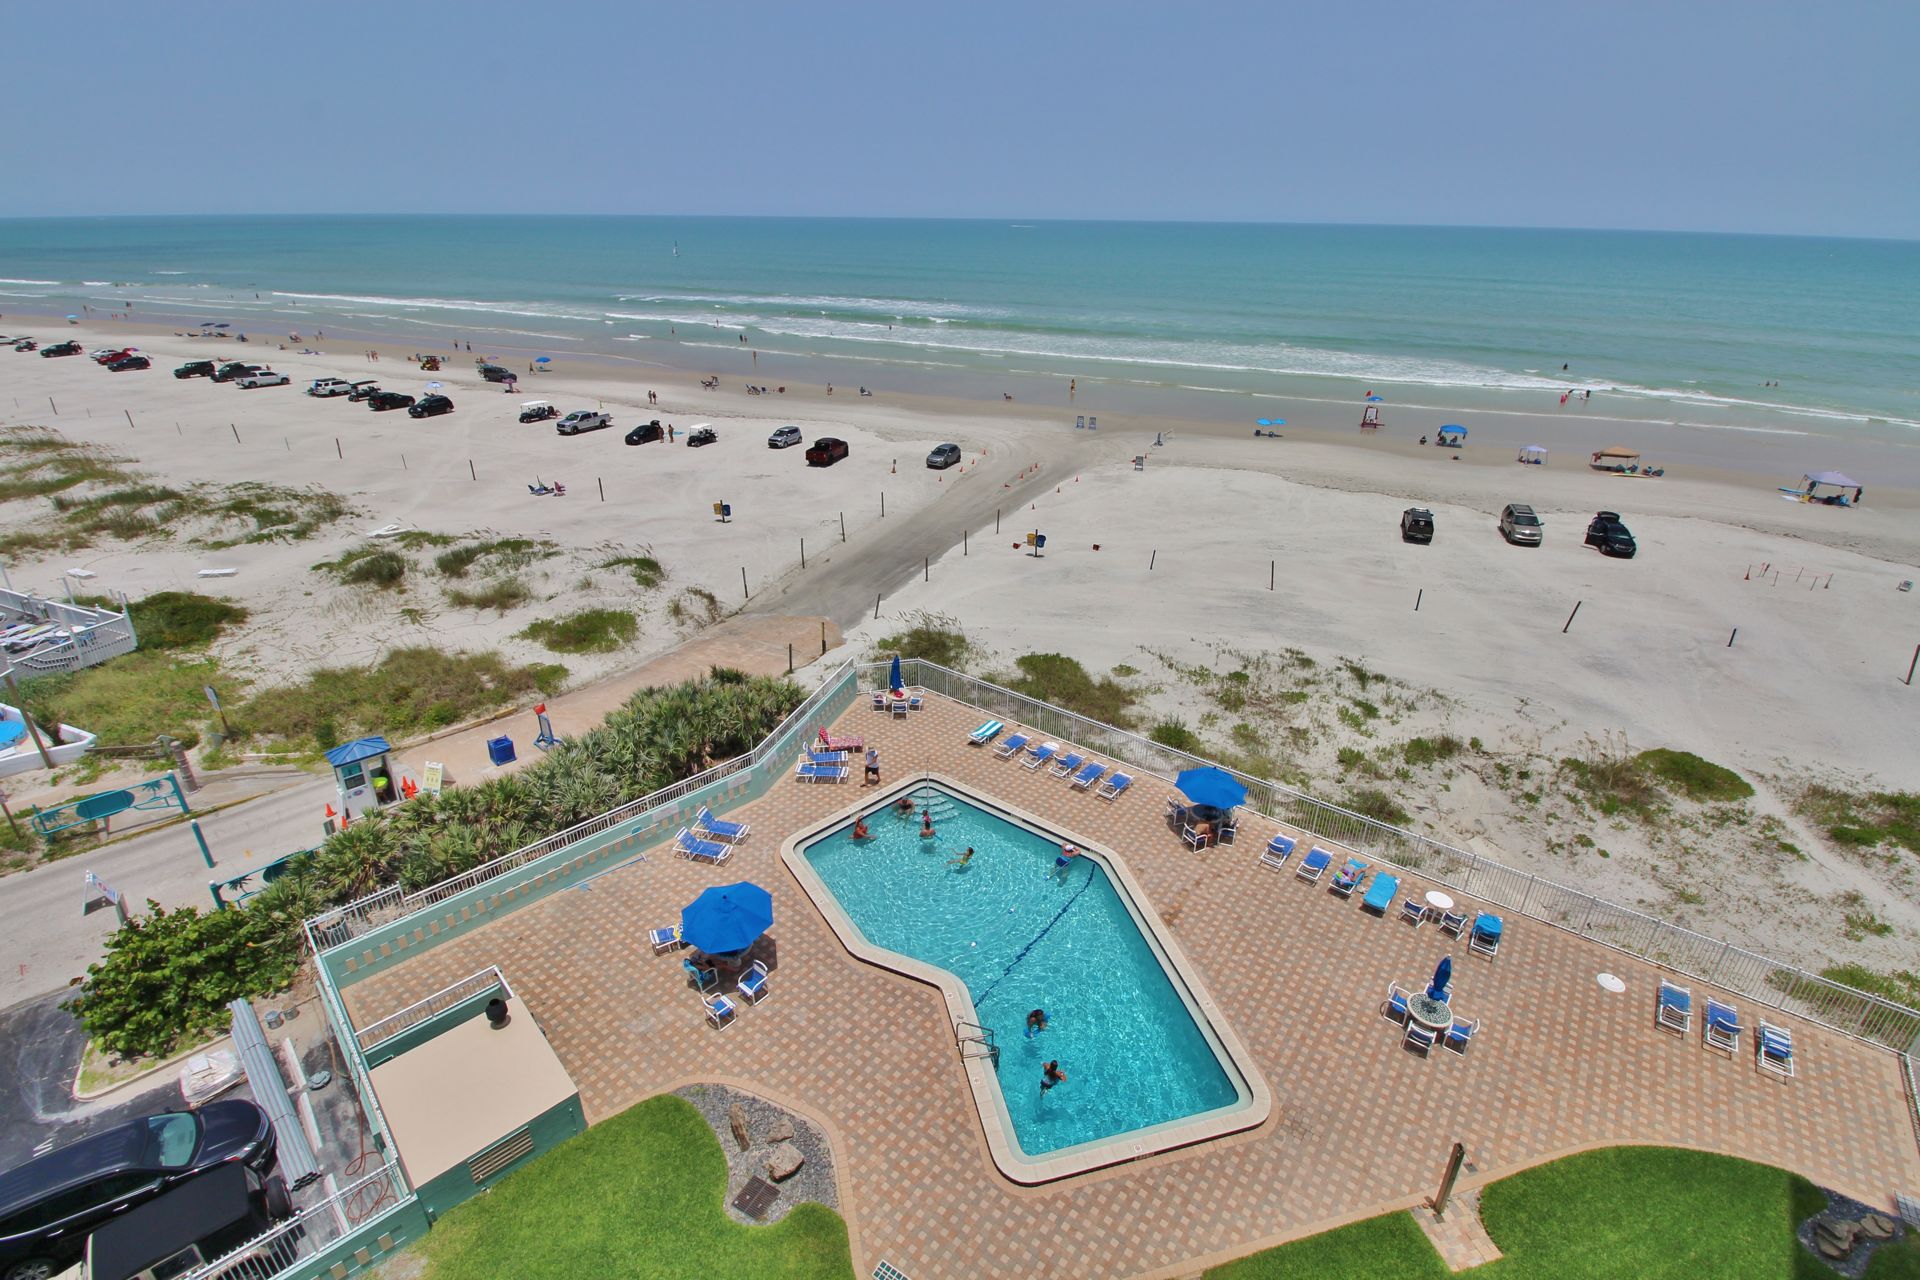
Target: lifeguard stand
[(361, 774), (1370, 418)]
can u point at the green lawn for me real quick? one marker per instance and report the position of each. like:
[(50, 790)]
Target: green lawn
[(639, 1197), (1638, 1213)]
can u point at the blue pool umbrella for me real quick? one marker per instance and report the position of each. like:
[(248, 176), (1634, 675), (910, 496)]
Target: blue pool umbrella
[(893, 676), (543, 359), (1442, 974), (727, 918), (1211, 786)]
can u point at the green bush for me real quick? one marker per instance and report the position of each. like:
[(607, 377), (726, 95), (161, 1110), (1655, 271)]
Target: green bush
[(1175, 734), (1865, 820), (1697, 779), (935, 639), (1055, 678), (382, 569), (132, 699), (182, 619), (1424, 751), (499, 595), (647, 572), (1372, 802), (588, 631)]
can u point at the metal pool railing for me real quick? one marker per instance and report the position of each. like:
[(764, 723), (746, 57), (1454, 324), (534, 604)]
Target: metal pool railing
[(420, 1010), (1845, 1009)]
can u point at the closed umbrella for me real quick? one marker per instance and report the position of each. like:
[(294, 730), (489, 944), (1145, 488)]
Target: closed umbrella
[(727, 918), (894, 682), (1211, 786), (1442, 975)]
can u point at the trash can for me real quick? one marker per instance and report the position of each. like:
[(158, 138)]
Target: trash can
[(500, 749)]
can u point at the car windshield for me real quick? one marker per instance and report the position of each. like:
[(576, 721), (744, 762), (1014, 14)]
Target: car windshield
[(171, 1140), (1525, 517)]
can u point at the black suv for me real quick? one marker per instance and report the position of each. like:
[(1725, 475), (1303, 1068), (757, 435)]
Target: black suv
[(228, 372), (62, 349), (382, 400), (50, 1204), (429, 407), (1607, 533), (195, 369), (495, 373), (129, 362), (203, 1219), (1416, 525)]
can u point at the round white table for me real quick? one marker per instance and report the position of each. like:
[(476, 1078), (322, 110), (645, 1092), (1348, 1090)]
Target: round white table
[(1438, 903), (1611, 983)]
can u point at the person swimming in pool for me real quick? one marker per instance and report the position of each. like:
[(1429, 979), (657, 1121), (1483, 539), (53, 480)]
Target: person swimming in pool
[(860, 831), (963, 859), (904, 806), (1063, 861), (1051, 1075), (1036, 1022), (926, 824)]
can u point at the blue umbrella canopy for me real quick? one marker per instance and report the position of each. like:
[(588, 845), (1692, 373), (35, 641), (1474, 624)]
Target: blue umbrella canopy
[(726, 918), (543, 359), (1376, 397), (1442, 975), (1453, 431), (1212, 786), (1271, 422), (893, 676)]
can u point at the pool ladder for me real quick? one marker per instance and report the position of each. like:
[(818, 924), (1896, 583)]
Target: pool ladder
[(979, 1044)]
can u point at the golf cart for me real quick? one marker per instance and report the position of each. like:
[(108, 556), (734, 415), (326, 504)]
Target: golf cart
[(537, 411)]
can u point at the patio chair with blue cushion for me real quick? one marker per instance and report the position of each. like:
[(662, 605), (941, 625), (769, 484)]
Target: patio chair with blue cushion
[(1380, 894), (1349, 878), (731, 832), (688, 845), (720, 1011), (664, 940), (1485, 934), (1414, 912), (1012, 747), (1064, 765), (1278, 850), (1722, 1027), (986, 733), (1453, 922), (1194, 839), (913, 702), (1040, 755), (701, 978), (1773, 1049), (1314, 865), (821, 773), (753, 983), (1396, 1006), (1419, 1038), (879, 701), (1226, 832), (1674, 1008), (1113, 787), (1088, 774), (1460, 1033), (899, 708)]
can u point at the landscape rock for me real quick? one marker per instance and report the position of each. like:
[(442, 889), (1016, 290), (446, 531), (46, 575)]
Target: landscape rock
[(784, 1161), (782, 1130), (1877, 1226), (737, 1120), (1834, 1237)]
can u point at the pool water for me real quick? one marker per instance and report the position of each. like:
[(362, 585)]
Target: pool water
[(1022, 936)]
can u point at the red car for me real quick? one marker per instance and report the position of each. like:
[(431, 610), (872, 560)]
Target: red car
[(110, 356)]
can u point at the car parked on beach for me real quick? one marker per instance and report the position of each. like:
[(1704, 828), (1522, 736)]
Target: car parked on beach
[(380, 401), (430, 407), (496, 373), (362, 390), (195, 369), (784, 438), (701, 436), (943, 456), (61, 349), (107, 355), (1520, 526), (582, 420), (1611, 536), (134, 362), (826, 451), (647, 433), (261, 378), (25, 344), (50, 1204), (228, 372), (324, 387), (1416, 525)]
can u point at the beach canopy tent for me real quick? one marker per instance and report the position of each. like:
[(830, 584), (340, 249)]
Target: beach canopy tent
[(1534, 453), (1451, 435), (727, 918), (1617, 453), (1833, 480)]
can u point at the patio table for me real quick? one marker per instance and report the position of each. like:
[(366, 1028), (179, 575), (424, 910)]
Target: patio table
[(1438, 903), (1434, 1015)]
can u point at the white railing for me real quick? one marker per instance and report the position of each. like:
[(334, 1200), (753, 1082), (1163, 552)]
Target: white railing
[(293, 1243), (1846, 1009), (342, 924), (420, 1010), (93, 635)]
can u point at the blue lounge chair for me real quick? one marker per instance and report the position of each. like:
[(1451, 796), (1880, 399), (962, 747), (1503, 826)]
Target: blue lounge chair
[(1064, 765), (1722, 1028), (1396, 1006), (1674, 1009), (1314, 865), (1088, 774), (1485, 936), (1774, 1049), (1112, 787), (720, 1011), (664, 940), (1040, 755), (1349, 878), (826, 757), (1012, 747), (731, 832), (1278, 850), (692, 846), (1380, 894), (986, 733), (822, 773), (753, 983), (701, 978), (1460, 1033)]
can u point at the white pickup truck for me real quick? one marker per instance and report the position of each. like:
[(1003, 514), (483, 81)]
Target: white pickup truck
[(261, 378), (329, 387), (582, 420)]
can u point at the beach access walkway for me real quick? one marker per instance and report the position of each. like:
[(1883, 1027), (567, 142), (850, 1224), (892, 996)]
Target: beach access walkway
[(1359, 1125)]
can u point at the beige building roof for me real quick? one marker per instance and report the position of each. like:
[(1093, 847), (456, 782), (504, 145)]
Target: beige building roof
[(467, 1088)]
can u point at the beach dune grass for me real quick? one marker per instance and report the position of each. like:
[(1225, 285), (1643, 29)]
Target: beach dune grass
[(637, 1197), (588, 631), (1056, 678), (1693, 777), (409, 691), (931, 637)]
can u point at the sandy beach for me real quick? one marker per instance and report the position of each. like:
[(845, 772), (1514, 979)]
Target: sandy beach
[(1811, 686)]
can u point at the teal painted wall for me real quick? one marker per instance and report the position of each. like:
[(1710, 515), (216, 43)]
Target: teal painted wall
[(549, 1130), (391, 1232)]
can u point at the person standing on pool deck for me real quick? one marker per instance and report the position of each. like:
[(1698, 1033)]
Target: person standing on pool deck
[(1036, 1022), (873, 767), (1051, 1075)]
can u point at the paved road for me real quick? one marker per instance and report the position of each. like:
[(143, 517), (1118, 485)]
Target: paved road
[(40, 1045)]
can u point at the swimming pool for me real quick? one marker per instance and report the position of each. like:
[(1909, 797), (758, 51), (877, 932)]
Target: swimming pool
[(1011, 932)]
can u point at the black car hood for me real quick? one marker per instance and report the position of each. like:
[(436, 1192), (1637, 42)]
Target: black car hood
[(229, 1128)]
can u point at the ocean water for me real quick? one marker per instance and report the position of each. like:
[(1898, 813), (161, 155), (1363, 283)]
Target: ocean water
[(1023, 937), (1670, 327)]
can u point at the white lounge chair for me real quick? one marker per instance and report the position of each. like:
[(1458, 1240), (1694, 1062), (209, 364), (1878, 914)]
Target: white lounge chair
[(822, 773), (1773, 1049), (1064, 765), (1314, 865), (1040, 755), (664, 940), (732, 832), (1721, 1029), (1088, 775), (691, 846)]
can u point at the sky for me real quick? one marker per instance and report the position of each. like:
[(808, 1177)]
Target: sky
[(1794, 117)]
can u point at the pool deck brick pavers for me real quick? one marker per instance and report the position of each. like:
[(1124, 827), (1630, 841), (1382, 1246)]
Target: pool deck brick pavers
[(1359, 1124)]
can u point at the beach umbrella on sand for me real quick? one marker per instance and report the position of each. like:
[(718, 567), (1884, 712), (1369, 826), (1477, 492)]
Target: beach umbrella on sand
[(893, 677), (543, 359), (1442, 975), (727, 918), (1211, 786), (435, 386), (1271, 422), (1376, 397)]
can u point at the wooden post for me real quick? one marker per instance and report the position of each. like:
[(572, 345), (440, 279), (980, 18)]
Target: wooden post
[(789, 659), (883, 504), (13, 691), (338, 451), (963, 542), (603, 487), (926, 569), (1151, 558), (996, 521), (823, 635), (403, 462), (803, 553), (471, 473), (744, 593), (236, 432), (843, 526), (56, 408), (1576, 609), (876, 606), (1913, 664), (1454, 1160), (1730, 636), (129, 414), (1270, 571), (1417, 597)]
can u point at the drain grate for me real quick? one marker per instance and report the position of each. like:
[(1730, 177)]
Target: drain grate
[(887, 1271), (756, 1197)]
